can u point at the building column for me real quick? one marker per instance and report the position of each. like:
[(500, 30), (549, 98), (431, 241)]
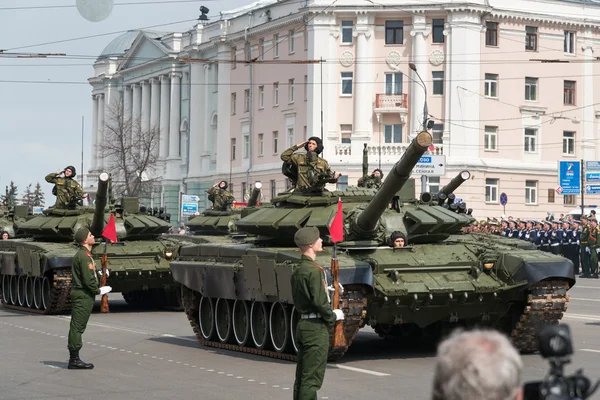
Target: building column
[(223, 138), (145, 118), (588, 144), (197, 86), (100, 132), (419, 33), (155, 111), (174, 121), (127, 103), (165, 95), (136, 107), (363, 93), (94, 154)]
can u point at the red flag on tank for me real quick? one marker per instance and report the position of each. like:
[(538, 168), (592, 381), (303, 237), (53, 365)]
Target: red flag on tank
[(336, 229), (110, 231)]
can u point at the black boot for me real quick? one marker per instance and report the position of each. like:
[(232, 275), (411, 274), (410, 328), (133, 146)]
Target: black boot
[(76, 363)]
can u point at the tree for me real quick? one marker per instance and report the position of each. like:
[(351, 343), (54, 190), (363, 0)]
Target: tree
[(130, 153), (38, 196), (10, 196), (27, 199)]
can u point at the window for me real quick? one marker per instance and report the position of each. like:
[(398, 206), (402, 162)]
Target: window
[(233, 149), (569, 199), (291, 91), (275, 94), (569, 45), (550, 195), (393, 83), (490, 138), (290, 136), (347, 32), (531, 192), (392, 133), (246, 100), (531, 35), (531, 89), (233, 102), (275, 46), (394, 32), (433, 184), (346, 131), (491, 85), (346, 83), (246, 146), (261, 49), (530, 140), (491, 33), (491, 190), (273, 188), (275, 142), (292, 41), (569, 143), (438, 82), (305, 87), (261, 97), (248, 51), (261, 144), (438, 30), (233, 57), (437, 131), (569, 96), (342, 183)]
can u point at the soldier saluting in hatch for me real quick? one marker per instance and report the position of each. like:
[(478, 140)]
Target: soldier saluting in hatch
[(66, 189), (313, 171), (221, 198)]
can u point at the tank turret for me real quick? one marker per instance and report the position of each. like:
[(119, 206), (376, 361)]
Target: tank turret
[(455, 183)]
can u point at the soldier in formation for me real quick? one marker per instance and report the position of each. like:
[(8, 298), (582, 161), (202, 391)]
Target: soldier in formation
[(67, 190), (313, 171), (221, 198)]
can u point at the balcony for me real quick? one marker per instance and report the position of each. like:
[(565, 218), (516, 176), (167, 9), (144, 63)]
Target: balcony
[(390, 103), (396, 150)]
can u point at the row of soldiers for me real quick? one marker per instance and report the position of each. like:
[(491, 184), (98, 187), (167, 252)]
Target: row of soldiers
[(573, 239)]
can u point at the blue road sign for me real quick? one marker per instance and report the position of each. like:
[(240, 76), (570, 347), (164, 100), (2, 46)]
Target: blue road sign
[(189, 209), (503, 198), (569, 177), (592, 189), (592, 165), (592, 176)]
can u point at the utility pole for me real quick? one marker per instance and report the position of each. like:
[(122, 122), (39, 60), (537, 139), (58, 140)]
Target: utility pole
[(414, 68)]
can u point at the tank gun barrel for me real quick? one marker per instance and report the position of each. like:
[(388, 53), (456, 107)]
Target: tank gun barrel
[(367, 220), (365, 162), (254, 196), (456, 182), (101, 200)]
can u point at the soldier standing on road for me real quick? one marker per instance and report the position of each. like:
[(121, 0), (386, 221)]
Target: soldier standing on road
[(221, 198), (84, 288), (310, 166), (309, 291), (66, 189), (574, 239), (584, 241), (594, 247)]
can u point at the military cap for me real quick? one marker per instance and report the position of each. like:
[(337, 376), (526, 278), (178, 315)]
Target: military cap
[(306, 235), (81, 234), (584, 217), (493, 222), (576, 221), (397, 235), (547, 223), (482, 223)]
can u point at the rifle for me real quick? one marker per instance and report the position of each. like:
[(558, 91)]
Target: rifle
[(339, 338), (104, 299)]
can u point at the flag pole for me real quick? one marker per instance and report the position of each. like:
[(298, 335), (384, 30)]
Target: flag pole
[(339, 338)]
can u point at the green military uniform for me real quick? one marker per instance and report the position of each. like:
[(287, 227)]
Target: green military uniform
[(585, 245), (594, 246), (308, 172), (369, 181), (222, 199), (67, 190), (312, 334), (84, 288)]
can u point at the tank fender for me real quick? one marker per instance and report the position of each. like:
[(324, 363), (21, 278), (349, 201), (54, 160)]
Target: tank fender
[(534, 272), (360, 274), (56, 262)]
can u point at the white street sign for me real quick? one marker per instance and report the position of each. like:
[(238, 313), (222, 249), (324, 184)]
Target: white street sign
[(431, 165)]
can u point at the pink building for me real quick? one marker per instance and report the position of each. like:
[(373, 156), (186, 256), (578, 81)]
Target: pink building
[(510, 91)]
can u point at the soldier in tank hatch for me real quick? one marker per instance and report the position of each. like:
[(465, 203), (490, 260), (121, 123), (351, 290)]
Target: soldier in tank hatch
[(221, 198), (313, 170), (375, 180), (66, 189), (4, 235), (397, 239)]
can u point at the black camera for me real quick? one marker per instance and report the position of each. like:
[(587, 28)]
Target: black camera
[(554, 343)]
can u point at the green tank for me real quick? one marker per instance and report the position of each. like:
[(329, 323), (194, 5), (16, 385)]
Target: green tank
[(36, 270), (11, 218), (237, 293)]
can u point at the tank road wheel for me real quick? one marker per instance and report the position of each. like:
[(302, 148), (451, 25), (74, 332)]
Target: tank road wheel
[(37, 292), (294, 318), (223, 320), (29, 291), (21, 289), (46, 298), (241, 322), (6, 289), (14, 300), (259, 324), (206, 318), (279, 327)]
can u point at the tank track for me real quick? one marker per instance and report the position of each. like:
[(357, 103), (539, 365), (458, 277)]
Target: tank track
[(354, 305), (546, 303), (60, 295)]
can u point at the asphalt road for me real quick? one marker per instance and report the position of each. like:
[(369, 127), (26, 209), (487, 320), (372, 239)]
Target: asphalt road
[(154, 355)]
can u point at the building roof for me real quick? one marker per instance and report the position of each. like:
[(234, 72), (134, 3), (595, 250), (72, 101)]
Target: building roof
[(119, 45)]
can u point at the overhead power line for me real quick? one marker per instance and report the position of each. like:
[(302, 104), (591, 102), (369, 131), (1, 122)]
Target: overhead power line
[(130, 3)]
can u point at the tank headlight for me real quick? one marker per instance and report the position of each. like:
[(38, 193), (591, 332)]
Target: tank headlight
[(488, 266), (168, 254)]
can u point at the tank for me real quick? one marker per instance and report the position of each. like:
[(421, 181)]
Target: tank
[(237, 294), (36, 270), (11, 218)]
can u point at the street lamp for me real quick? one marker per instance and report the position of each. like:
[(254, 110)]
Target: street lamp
[(414, 68)]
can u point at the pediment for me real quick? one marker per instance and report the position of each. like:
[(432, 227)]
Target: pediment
[(145, 48)]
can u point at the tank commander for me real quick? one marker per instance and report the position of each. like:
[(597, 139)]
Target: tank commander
[(309, 291), (66, 189), (397, 239), (313, 171), (373, 181), (5, 235), (221, 198)]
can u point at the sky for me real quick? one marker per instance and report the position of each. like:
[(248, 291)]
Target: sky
[(43, 100)]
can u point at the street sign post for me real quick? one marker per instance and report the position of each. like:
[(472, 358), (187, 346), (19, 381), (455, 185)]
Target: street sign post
[(569, 176), (592, 176), (503, 201), (431, 165)]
